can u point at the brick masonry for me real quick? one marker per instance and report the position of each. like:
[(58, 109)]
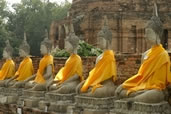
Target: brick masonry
[(127, 20)]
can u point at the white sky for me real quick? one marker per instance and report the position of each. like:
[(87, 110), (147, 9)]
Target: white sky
[(10, 2)]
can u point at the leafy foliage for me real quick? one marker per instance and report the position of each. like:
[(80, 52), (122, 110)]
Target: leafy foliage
[(84, 49), (31, 16)]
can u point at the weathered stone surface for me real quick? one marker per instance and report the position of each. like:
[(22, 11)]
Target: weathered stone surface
[(32, 98), (94, 103), (55, 102), (124, 107), (52, 96)]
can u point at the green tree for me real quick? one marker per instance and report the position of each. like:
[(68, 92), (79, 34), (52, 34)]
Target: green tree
[(32, 16)]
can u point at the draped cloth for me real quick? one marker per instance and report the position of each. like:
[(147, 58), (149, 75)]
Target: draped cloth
[(25, 69), (44, 62), (154, 73), (104, 70), (72, 66), (7, 70)]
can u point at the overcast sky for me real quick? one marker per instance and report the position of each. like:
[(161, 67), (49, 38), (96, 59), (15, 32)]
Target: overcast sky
[(10, 2)]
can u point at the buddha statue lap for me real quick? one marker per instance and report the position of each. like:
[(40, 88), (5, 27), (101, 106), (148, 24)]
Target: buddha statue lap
[(70, 75), (25, 69), (149, 84), (100, 82), (8, 69)]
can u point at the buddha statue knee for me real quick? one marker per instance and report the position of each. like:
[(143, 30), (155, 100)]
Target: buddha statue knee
[(25, 69), (70, 75), (149, 84), (100, 82), (8, 68)]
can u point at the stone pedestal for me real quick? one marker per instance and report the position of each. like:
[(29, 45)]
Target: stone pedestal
[(10, 95), (91, 105), (124, 107), (32, 98), (55, 102)]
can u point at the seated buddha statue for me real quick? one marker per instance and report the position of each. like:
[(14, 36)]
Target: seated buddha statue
[(100, 82), (38, 81), (149, 84), (8, 69), (70, 75), (25, 69)]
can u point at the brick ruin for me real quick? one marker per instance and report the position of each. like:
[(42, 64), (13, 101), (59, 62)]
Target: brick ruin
[(127, 20)]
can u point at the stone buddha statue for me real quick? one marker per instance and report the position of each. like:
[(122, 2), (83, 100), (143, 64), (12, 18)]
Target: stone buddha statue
[(25, 69), (100, 82), (8, 68), (70, 75), (149, 84), (45, 71)]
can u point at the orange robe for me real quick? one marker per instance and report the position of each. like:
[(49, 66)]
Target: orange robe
[(25, 69), (72, 66), (44, 62), (154, 73), (8, 70), (104, 70)]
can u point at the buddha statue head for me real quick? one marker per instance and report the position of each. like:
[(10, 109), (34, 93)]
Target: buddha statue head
[(8, 50), (154, 29), (105, 36), (24, 49), (46, 45), (71, 41)]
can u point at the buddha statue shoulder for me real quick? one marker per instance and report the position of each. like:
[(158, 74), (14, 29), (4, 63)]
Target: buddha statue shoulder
[(100, 82), (70, 75), (8, 69), (153, 76), (25, 69)]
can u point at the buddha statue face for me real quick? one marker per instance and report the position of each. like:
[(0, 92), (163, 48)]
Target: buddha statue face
[(6, 55), (68, 46), (102, 43), (151, 36), (22, 53), (43, 49)]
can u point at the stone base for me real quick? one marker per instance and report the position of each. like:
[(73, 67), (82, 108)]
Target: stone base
[(94, 103), (14, 91), (32, 98), (8, 99), (123, 107), (52, 96), (55, 102)]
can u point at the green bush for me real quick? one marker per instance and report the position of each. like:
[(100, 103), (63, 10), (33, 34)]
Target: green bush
[(84, 49)]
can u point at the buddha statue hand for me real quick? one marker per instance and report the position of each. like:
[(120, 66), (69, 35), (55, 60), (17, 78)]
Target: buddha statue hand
[(118, 90), (79, 86), (6, 83)]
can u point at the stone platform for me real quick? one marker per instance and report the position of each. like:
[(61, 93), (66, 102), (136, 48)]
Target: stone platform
[(9, 95), (124, 107), (32, 98), (91, 105), (55, 102)]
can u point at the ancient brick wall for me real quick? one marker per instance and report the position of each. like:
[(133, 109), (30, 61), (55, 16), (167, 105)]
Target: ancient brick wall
[(127, 20)]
